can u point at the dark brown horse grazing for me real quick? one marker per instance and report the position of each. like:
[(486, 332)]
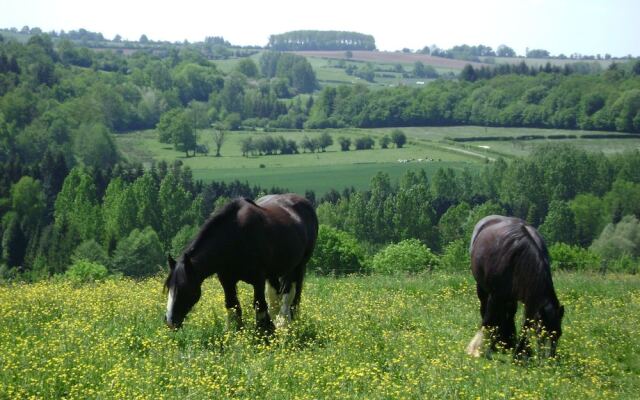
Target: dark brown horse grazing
[(510, 263), (266, 244)]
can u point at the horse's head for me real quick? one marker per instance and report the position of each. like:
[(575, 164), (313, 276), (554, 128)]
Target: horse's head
[(551, 318), (183, 286)]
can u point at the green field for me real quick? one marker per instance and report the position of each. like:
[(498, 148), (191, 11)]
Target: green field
[(518, 148), (329, 75), (373, 337), (337, 169), (298, 172)]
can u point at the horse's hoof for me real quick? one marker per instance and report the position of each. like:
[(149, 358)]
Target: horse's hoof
[(266, 327), (474, 347), (282, 322)]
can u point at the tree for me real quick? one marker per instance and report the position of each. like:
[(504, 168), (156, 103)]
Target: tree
[(617, 240), (559, 224), (175, 127), (247, 146), (28, 201), (398, 138), (452, 223), (247, 67), (364, 143), (384, 141), (419, 69), (311, 144), (468, 73), (139, 254), (119, 211), (94, 146), (174, 203), (145, 193), (325, 140), (218, 138), (232, 122), (589, 218), (537, 53), (505, 51), (344, 143), (14, 241)]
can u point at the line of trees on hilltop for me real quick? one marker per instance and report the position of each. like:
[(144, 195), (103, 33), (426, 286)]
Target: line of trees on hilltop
[(321, 40), (484, 53), (212, 47)]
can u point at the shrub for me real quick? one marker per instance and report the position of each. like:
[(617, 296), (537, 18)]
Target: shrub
[(337, 253), (409, 255), (86, 271), (618, 240), (90, 250), (624, 263), (138, 254), (456, 257), (573, 258)]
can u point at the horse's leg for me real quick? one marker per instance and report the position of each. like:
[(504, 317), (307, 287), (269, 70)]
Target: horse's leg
[(296, 298), (234, 312), (523, 349), (288, 295), (263, 321), (493, 320), (508, 330), (473, 348), (274, 298)]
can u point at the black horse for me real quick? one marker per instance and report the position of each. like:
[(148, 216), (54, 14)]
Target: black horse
[(510, 263), (266, 244)]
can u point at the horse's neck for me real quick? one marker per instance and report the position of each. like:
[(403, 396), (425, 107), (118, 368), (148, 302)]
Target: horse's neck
[(201, 263)]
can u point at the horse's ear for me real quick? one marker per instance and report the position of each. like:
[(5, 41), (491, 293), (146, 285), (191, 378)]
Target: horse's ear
[(171, 261)]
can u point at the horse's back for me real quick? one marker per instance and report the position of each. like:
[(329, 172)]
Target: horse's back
[(292, 224), (506, 252)]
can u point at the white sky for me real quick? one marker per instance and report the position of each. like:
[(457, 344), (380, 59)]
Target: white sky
[(560, 26)]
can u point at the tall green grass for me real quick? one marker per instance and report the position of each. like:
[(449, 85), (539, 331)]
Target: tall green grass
[(357, 337)]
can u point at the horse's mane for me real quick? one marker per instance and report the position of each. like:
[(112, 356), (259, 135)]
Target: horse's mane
[(228, 210)]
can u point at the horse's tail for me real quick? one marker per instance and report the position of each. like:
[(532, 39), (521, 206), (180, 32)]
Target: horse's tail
[(534, 257)]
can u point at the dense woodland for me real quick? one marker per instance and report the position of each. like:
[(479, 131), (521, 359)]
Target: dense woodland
[(522, 97), (65, 194)]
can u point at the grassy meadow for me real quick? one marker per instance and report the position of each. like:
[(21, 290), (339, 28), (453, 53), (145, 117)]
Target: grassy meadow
[(337, 169), (374, 337), (298, 172)]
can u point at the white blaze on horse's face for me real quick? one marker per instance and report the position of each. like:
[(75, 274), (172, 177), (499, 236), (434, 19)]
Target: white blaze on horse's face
[(170, 301)]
